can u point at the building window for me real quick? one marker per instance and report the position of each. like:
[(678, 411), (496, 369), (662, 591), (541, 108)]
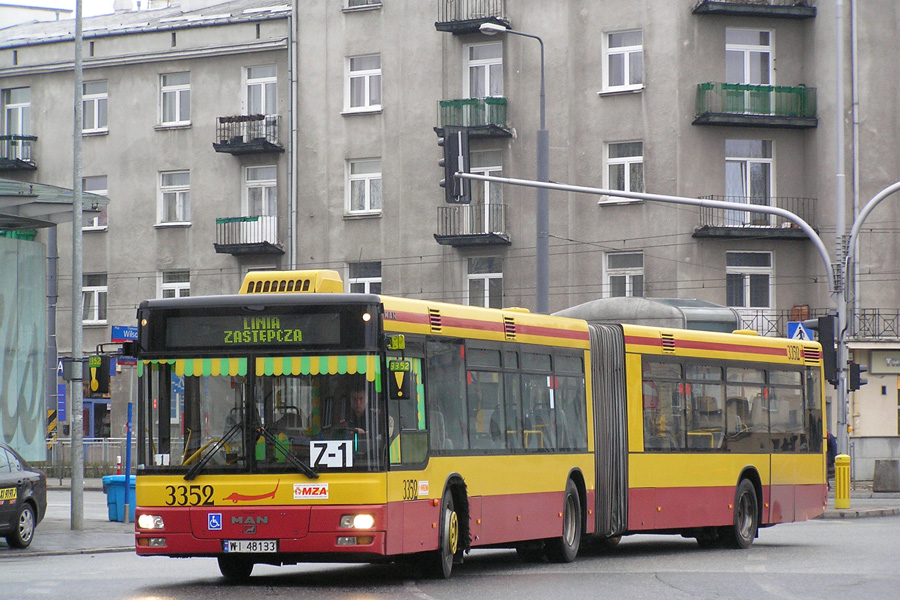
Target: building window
[(624, 61), (94, 100), (748, 56), (261, 191), (96, 185), (364, 186), (486, 207), (625, 274), (175, 284), (625, 166), (175, 197), (364, 83), (748, 179), (94, 291), (484, 282), (748, 277), (176, 98), (360, 3), (261, 90), (16, 111), (485, 70), (365, 277)]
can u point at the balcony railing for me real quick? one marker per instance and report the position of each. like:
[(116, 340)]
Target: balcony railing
[(785, 9), (755, 105), (866, 324), (466, 16), (247, 235), (247, 134), (15, 152), (725, 222), (472, 225), (485, 117)]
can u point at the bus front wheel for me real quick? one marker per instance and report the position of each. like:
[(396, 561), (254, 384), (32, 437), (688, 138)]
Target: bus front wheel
[(235, 569), (439, 564), (746, 518), (565, 548)]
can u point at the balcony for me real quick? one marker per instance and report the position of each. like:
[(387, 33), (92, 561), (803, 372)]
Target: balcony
[(865, 324), (240, 236), (744, 105), (472, 225), (483, 117), (247, 134), (779, 9), (15, 153), (737, 223), (466, 16)]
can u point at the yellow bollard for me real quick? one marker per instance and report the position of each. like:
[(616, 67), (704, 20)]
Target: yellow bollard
[(842, 481)]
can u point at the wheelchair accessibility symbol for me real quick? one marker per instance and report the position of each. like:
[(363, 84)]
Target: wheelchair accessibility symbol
[(214, 521)]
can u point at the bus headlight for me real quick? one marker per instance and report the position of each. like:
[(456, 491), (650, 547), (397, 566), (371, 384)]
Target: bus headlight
[(150, 522), (357, 522)]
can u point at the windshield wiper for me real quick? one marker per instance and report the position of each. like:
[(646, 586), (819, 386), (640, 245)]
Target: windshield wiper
[(219, 443), (288, 455)]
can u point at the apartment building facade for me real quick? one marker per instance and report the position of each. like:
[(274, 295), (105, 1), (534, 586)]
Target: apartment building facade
[(732, 100)]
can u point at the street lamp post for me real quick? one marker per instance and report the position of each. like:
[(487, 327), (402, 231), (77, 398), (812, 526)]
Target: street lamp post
[(542, 245)]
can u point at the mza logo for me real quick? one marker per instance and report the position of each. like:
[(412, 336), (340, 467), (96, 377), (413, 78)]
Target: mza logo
[(310, 491)]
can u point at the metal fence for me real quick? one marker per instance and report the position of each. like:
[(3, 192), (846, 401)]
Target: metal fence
[(766, 100), (16, 147), (805, 208), (243, 129), (467, 10), (101, 456), (246, 230), (469, 219), (472, 112)]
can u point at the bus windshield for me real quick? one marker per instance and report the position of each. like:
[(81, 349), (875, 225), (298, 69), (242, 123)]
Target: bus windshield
[(307, 414)]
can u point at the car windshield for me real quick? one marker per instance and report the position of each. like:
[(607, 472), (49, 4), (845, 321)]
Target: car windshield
[(308, 419)]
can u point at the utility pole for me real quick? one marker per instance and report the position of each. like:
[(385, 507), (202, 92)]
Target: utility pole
[(77, 504)]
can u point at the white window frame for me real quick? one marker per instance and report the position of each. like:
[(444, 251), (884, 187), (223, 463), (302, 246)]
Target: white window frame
[(738, 218), (172, 284), (373, 195), (100, 222), (182, 199), (95, 104), (371, 79), (629, 273), (485, 278), (92, 295), (745, 272), (177, 92), (628, 54), (16, 115), (364, 283), (268, 90), (268, 187), (485, 195), (626, 162), (491, 80), (747, 51)]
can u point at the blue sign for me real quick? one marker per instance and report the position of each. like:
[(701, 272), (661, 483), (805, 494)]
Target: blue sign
[(61, 402), (124, 333), (214, 521), (796, 331)]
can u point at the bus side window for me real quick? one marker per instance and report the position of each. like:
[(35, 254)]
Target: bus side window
[(513, 404), (447, 413)]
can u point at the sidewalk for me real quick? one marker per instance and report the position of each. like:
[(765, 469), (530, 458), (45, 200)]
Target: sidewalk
[(54, 535)]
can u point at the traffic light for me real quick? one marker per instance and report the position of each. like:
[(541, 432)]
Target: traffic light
[(856, 370), (455, 142), (98, 367), (826, 326)]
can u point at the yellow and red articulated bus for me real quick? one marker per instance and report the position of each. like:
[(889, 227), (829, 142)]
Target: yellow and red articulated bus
[(295, 423)]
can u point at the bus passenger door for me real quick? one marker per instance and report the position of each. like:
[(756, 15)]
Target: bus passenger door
[(408, 494)]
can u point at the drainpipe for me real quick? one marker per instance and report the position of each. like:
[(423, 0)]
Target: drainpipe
[(854, 102)]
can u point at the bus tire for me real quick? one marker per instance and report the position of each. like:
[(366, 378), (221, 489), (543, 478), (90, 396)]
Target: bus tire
[(746, 518), (565, 548), (439, 564), (235, 569)]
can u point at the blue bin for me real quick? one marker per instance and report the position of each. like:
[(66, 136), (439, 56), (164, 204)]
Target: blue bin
[(114, 488)]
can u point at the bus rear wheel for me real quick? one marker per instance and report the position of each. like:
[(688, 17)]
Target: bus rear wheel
[(746, 518), (565, 548), (235, 568)]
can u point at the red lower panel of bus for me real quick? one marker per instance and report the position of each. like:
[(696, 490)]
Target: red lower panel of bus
[(680, 508)]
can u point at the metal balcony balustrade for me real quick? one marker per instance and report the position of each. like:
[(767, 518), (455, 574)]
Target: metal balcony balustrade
[(784, 9), (472, 225), (755, 105), (15, 153), (484, 117), (247, 134), (466, 16), (866, 324), (247, 235), (737, 223)]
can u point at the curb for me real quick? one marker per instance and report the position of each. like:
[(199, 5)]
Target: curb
[(859, 513), (28, 554)]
